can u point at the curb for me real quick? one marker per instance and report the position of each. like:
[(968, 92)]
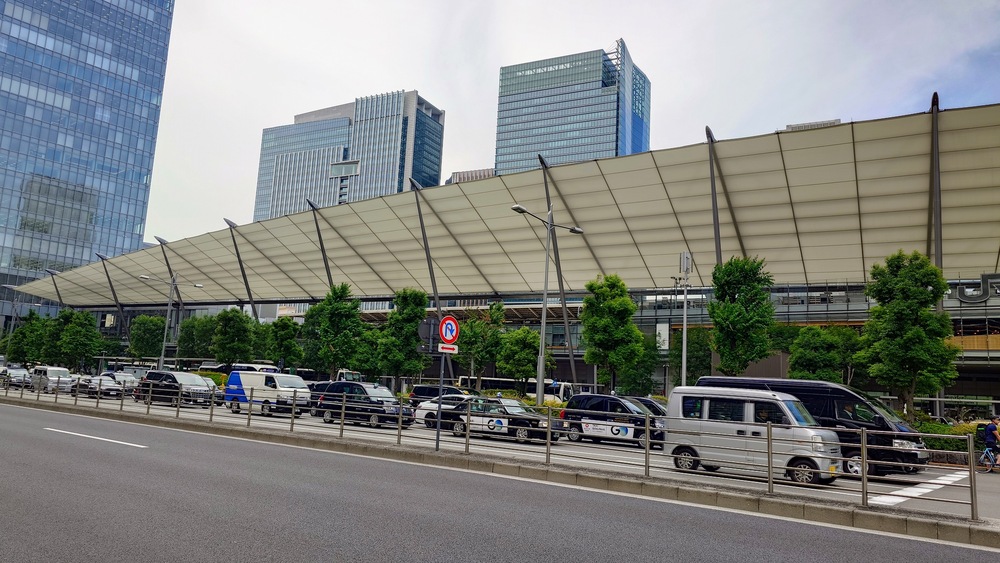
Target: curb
[(895, 520)]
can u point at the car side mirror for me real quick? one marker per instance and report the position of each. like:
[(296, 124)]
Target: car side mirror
[(879, 420)]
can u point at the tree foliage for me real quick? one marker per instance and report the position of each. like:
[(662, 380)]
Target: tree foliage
[(742, 313), (613, 342), (479, 340), (815, 356), (518, 355), (195, 338), (637, 378), (904, 342), (699, 356), (338, 327), (285, 349), (78, 339), (398, 346), (146, 336), (233, 339)]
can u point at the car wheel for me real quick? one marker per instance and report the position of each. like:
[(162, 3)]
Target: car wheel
[(642, 441), (314, 412), (522, 435), (575, 434), (328, 417), (234, 406), (265, 409), (686, 459), (148, 399), (430, 421), (707, 467), (804, 472), (911, 469), (458, 429), (373, 421), (175, 402), (852, 465)]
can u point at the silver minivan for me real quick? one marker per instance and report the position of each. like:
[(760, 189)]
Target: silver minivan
[(714, 427)]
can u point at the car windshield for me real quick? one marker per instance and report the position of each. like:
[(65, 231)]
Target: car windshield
[(881, 408), (380, 393), (188, 378), (290, 382), (104, 380), (514, 406), (208, 381), (636, 407), (800, 414)]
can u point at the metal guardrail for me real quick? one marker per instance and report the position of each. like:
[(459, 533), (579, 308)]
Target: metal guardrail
[(658, 455)]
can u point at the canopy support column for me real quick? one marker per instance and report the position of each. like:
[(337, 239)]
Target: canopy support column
[(246, 283), (114, 295), (559, 276), (170, 273), (319, 237)]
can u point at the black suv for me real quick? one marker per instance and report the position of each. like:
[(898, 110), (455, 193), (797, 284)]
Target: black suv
[(316, 390), (173, 386), (421, 393), (610, 417), (359, 401)]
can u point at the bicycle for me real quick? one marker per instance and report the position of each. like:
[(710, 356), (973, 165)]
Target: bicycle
[(987, 461)]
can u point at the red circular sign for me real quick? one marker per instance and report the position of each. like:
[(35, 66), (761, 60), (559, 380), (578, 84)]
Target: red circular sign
[(448, 330)]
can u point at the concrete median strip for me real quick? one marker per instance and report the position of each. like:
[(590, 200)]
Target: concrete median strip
[(881, 517)]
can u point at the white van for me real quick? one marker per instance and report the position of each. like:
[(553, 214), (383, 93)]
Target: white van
[(50, 378), (271, 392), (714, 427)]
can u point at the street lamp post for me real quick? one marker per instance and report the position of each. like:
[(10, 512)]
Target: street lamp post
[(549, 225), (166, 320)]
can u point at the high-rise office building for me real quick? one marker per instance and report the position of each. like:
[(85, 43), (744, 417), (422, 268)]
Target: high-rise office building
[(576, 107), (364, 149), (80, 90)]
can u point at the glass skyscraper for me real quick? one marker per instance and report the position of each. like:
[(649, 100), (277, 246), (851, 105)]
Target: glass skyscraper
[(361, 150), (80, 89), (576, 107)]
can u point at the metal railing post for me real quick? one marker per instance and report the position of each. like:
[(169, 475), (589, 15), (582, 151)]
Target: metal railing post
[(647, 445), (97, 405), (343, 412), (864, 467), (770, 460), (548, 435), (468, 424), (148, 398), (211, 405), (177, 410), (249, 407), (974, 504), (38, 392), (399, 425), (76, 396), (295, 395), (56, 399)]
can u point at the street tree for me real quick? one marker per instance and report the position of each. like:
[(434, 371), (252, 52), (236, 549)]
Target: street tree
[(79, 340), (338, 326), (518, 355), (146, 336), (286, 350), (742, 313), (904, 342), (195, 338), (637, 378), (398, 348), (233, 339), (699, 355), (848, 345), (479, 340), (23, 346), (814, 355), (613, 342)]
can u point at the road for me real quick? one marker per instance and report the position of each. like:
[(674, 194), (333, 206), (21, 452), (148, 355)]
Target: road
[(78, 488), (938, 489)]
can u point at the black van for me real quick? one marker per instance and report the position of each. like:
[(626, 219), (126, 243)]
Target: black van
[(838, 406)]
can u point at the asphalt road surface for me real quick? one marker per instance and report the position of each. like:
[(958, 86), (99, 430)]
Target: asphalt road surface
[(76, 488)]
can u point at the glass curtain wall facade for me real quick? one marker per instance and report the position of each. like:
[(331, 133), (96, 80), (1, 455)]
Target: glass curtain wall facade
[(572, 108), (362, 150), (81, 83)]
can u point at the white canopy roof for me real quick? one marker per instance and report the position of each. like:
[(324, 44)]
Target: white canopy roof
[(819, 206)]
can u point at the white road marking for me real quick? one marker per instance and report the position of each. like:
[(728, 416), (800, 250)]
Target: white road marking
[(918, 489), (96, 438)]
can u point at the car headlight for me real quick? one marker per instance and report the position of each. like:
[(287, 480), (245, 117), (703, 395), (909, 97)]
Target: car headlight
[(658, 424), (904, 444), (817, 444), (543, 424)]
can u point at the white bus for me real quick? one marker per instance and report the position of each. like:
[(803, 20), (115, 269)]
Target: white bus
[(554, 390)]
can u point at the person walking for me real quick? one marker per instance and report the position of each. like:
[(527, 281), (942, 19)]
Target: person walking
[(992, 435)]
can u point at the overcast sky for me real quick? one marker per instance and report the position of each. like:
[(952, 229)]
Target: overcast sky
[(236, 67)]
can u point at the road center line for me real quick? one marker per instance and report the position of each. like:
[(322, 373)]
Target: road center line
[(96, 438)]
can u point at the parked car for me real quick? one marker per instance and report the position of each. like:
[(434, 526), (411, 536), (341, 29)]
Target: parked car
[(316, 390), (98, 385), (423, 392), (173, 386), (48, 378), (217, 394), (498, 416), (427, 410), (267, 391), (18, 377), (654, 406), (610, 417), (124, 378), (362, 401)]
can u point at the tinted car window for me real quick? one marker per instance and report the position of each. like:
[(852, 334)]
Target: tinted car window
[(725, 409)]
